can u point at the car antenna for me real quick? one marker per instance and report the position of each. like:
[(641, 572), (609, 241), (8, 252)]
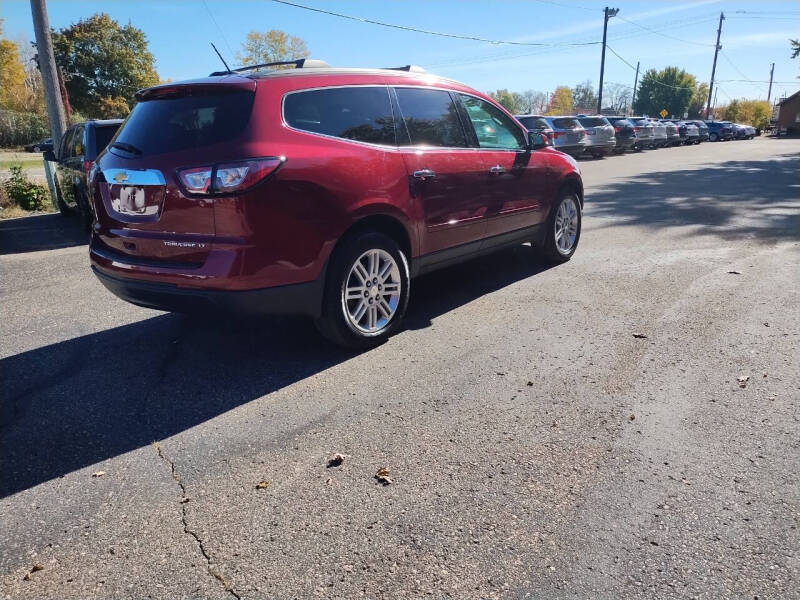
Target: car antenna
[(220, 57)]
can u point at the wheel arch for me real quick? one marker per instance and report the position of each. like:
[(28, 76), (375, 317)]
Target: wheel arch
[(572, 183)]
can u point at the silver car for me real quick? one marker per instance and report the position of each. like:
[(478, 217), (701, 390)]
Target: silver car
[(600, 139), (659, 134), (692, 133), (645, 133), (673, 133), (568, 135)]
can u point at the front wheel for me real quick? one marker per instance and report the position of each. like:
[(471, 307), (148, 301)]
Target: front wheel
[(563, 229), (366, 292), (713, 137)]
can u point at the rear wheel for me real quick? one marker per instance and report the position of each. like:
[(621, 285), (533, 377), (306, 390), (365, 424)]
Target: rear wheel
[(713, 137), (563, 229), (62, 207), (366, 292)]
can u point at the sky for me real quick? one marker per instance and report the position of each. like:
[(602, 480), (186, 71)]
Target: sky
[(657, 34)]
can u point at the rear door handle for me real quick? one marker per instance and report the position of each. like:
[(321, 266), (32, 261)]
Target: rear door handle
[(497, 170), (424, 174)]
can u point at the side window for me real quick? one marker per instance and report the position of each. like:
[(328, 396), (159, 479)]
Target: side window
[(363, 114), (431, 118), (77, 142), (65, 147), (492, 126)]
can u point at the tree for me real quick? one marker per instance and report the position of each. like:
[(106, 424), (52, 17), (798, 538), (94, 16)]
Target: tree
[(795, 48), (697, 105), (101, 60), (560, 101), (534, 102), (273, 46), (12, 77), (670, 89), (617, 98), (112, 108), (513, 102), (732, 112), (752, 112), (583, 96)]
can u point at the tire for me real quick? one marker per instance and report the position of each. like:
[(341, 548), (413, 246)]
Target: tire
[(340, 322), (36, 149), (552, 251), (637, 148), (62, 207), (713, 137)]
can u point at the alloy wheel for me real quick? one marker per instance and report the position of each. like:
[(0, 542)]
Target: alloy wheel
[(371, 293), (566, 225)]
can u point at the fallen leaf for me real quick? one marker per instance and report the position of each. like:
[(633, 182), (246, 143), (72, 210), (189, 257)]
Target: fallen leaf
[(98, 474), (36, 567), (383, 476), (640, 336), (632, 417), (262, 484), (184, 500), (766, 324), (529, 384), (328, 481), (765, 374), (336, 460), (743, 379), (734, 273)]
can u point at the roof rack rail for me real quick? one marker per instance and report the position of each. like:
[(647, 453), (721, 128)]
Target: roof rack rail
[(409, 68), (300, 63)]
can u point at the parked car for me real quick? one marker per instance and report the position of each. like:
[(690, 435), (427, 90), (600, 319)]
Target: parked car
[(702, 129), (40, 146), (568, 135), (624, 133), (719, 130), (77, 150), (600, 139), (673, 135), (743, 132), (645, 133), (536, 125), (659, 134), (692, 133), (321, 192)]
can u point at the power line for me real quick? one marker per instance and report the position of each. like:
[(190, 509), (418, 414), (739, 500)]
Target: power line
[(672, 37), (746, 78), (674, 87), (222, 33), (428, 31)]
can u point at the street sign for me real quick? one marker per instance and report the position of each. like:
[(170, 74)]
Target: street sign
[(663, 113)]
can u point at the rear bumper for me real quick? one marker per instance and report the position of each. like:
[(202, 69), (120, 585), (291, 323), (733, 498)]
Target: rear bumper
[(294, 299), (573, 150), (601, 147)]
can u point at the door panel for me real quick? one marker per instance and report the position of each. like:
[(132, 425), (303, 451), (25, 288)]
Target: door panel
[(64, 167), (446, 176), (516, 178)]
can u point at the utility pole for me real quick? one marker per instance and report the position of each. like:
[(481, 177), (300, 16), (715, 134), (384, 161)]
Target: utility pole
[(717, 48), (769, 93), (635, 83), (607, 14), (714, 110), (47, 66)]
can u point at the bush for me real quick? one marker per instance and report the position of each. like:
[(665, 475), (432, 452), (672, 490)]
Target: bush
[(26, 194), (18, 129)]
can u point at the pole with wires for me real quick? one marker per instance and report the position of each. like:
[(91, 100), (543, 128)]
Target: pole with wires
[(769, 93), (635, 83), (607, 14), (714, 67)]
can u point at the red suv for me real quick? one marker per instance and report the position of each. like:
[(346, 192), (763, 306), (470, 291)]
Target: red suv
[(319, 191)]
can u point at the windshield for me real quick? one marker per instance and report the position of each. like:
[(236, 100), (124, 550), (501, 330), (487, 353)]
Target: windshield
[(171, 124)]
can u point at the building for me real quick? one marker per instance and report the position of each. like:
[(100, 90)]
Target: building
[(789, 113)]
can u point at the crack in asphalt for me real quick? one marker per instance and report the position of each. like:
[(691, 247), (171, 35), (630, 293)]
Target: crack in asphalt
[(212, 570)]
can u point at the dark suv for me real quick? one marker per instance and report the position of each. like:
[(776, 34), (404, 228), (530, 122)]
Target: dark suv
[(319, 191), (719, 130), (79, 147)]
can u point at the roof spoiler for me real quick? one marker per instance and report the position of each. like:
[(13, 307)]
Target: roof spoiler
[(409, 68), (300, 63)]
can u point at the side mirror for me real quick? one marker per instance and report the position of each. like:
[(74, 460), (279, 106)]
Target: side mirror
[(537, 141), (49, 155)]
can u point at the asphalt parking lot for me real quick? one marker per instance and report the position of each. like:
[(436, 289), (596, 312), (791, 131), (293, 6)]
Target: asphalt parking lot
[(570, 432)]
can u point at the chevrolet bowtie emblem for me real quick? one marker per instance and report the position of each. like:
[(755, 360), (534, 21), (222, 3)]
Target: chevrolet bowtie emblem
[(120, 177)]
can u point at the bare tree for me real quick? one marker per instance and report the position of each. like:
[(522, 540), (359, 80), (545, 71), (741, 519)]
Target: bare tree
[(534, 102), (617, 97)]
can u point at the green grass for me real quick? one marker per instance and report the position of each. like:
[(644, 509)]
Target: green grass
[(34, 161)]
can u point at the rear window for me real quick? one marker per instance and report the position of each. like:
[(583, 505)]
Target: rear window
[(103, 135), (594, 121), (534, 122), (362, 114), (431, 118), (567, 123), (172, 124)]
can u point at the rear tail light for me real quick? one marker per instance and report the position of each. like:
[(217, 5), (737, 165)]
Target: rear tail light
[(87, 166), (228, 178), (582, 133), (557, 134), (637, 128), (617, 129)]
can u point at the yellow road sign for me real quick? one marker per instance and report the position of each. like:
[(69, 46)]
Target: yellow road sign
[(663, 113)]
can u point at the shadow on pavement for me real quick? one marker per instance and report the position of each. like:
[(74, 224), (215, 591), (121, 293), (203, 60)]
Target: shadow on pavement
[(758, 198), (42, 232), (75, 403)]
